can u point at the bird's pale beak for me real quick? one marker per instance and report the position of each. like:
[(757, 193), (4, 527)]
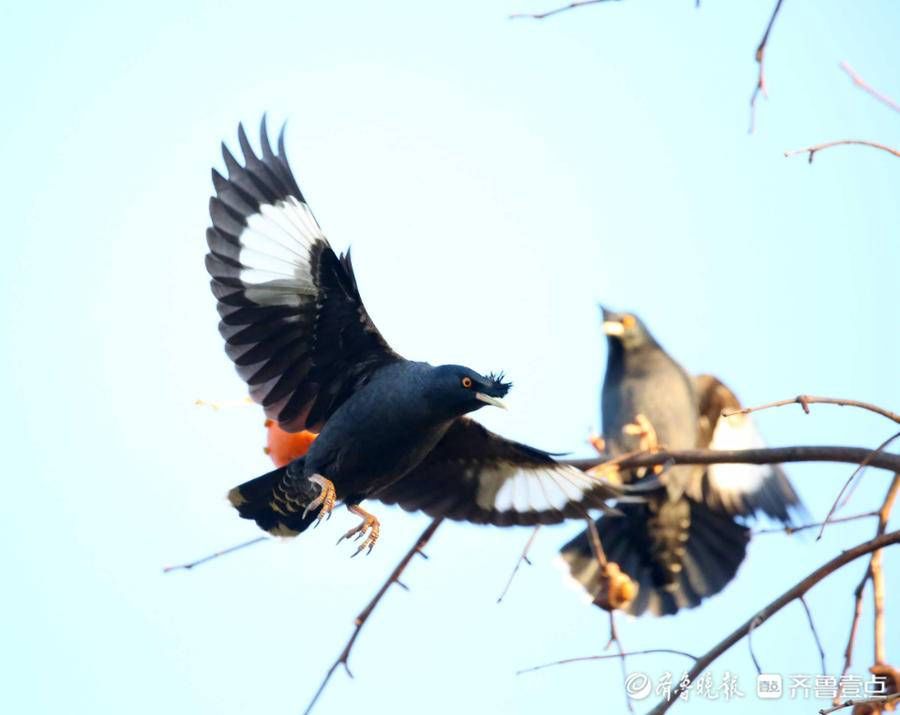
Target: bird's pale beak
[(613, 327), (490, 400)]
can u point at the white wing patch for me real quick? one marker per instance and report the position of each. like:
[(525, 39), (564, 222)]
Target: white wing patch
[(276, 247), (509, 487), (737, 432)]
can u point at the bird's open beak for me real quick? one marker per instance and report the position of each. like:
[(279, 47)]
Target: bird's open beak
[(490, 400), (613, 327)]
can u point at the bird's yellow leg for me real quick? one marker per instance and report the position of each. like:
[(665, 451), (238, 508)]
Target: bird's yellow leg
[(368, 524), (327, 497), (643, 429), (598, 443)]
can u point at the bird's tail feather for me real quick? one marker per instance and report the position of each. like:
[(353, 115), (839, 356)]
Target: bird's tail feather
[(678, 553), (274, 502)]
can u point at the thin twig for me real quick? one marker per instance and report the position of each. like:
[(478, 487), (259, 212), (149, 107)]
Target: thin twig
[(758, 621), (866, 87), (614, 640), (767, 455), (555, 11), (862, 465), (760, 59), (874, 700), (417, 548), (806, 400), (523, 557), (854, 627), (596, 544), (600, 555), (789, 530), (629, 654), (190, 564), (841, 142), (790, 595), (815, 633)]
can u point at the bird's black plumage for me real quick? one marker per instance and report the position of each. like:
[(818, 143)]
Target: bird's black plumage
[(296, 328), (683, 544)]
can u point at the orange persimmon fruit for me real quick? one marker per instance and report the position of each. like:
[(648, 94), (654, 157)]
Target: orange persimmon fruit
[(284, 447)]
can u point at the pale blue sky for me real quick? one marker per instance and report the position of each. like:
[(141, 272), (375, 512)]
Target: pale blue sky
[(496, 179)]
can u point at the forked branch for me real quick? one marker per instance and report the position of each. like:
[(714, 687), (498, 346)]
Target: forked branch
[(363, 616), (760, 87), (762, 616), (806, 400)]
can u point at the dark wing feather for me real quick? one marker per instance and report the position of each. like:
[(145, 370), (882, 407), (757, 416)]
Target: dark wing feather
[(291, 314), (475, 475), (738, 489)]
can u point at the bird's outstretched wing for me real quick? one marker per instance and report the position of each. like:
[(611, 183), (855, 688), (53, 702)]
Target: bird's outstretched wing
[(292, 318), (739, 489), (475, 475)]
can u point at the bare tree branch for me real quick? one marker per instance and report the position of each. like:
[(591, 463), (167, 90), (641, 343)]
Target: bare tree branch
[(878, 600), (841, 142), (237, 547), (884, 515), (862, 465), (523, 557), (866, 87), (760, 60), (766, 455), (757, 621), (556, 11), (806, 400), (363, 616), (791, 594), (614, 640), (583, 658), (803, 527), (854, 627), (815, 633), (600, 555), (875, 700), (596, 544)]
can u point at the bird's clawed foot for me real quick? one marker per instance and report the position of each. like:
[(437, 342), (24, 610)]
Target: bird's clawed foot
[(369, 527), (643, 429), (327, 497)]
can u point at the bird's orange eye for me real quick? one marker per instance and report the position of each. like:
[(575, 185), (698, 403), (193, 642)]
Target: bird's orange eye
[(467, 382), (628, 322)]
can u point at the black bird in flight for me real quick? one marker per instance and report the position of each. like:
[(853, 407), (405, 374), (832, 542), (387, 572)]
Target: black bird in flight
[(684, 543), (390, 429)]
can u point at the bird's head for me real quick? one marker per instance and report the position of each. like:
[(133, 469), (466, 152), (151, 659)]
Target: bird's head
[(625, 329), (459, 390)]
